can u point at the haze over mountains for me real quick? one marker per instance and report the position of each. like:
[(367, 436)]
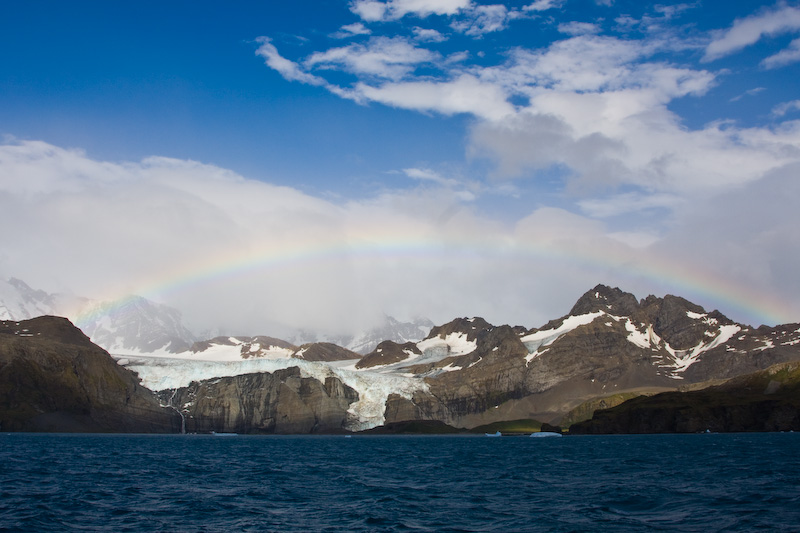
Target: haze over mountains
[(136, 325), (466, 373)]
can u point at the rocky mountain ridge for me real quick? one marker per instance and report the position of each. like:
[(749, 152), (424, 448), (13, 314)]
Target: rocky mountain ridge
[(468, 372), (608, 343)]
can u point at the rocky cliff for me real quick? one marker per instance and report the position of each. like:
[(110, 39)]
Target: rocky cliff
[(52, 378), (768, 400), (279, 402)]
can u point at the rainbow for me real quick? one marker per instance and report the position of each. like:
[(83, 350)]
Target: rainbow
[(697, 284)]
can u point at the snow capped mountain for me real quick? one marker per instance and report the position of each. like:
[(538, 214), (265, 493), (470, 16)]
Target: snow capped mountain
[(20, 302), (133, 326)]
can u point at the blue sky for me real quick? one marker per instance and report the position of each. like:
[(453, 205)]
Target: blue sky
[(548, 144)]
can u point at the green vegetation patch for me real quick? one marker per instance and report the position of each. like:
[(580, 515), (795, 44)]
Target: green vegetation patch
[(525, 425)]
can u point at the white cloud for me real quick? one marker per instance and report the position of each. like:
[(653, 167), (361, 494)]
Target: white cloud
[(484, 19), (750, 92), (750, 30), (599, 111), (369, 10), (285, 67), (250, 257), (372, 10), (385, 57), (623, 138), (350, 30), (784, 57), (427, 174), (578, 28), (785, 107), (544, 5), (428, 35), (591, 63), (465, 94), (671, 11)]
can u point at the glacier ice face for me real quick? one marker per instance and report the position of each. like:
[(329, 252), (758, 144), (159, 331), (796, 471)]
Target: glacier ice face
[(160, 373)]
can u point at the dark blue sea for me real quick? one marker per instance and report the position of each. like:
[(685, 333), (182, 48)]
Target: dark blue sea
[(725, 482)]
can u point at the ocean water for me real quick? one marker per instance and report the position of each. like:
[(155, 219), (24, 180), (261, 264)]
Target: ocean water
[(725, 482)]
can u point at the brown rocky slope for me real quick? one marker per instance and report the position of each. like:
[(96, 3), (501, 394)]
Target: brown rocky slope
[(768, 400), (53, 378)]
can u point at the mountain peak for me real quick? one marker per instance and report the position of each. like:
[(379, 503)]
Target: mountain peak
[(606, 299), (472, 327)]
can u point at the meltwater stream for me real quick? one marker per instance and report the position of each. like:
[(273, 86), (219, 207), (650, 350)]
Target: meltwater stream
[(733, 482)]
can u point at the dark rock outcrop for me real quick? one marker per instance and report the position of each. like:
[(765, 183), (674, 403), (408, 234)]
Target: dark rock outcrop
[(387, 353), (607, 299), (279, 402), (768, 400), (53, 378), (324, 351)]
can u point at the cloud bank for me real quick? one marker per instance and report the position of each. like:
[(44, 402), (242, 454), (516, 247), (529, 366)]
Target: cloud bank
[(253, 258), (625, 192)]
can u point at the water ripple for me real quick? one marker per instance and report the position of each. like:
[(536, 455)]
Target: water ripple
[(370, 483)]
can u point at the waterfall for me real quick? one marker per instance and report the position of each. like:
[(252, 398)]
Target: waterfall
[(179, 411)]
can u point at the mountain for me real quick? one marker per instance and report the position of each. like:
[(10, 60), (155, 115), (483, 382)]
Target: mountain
[(466, 373), (53, 378), (609, 343), (767, 400), (134, 325), (469, 373), (20, 302)]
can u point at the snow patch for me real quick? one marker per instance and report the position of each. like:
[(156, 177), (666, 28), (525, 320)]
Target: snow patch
[(683, 359), (542, 338), (438, 348), (641, 339), (767, 345)]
